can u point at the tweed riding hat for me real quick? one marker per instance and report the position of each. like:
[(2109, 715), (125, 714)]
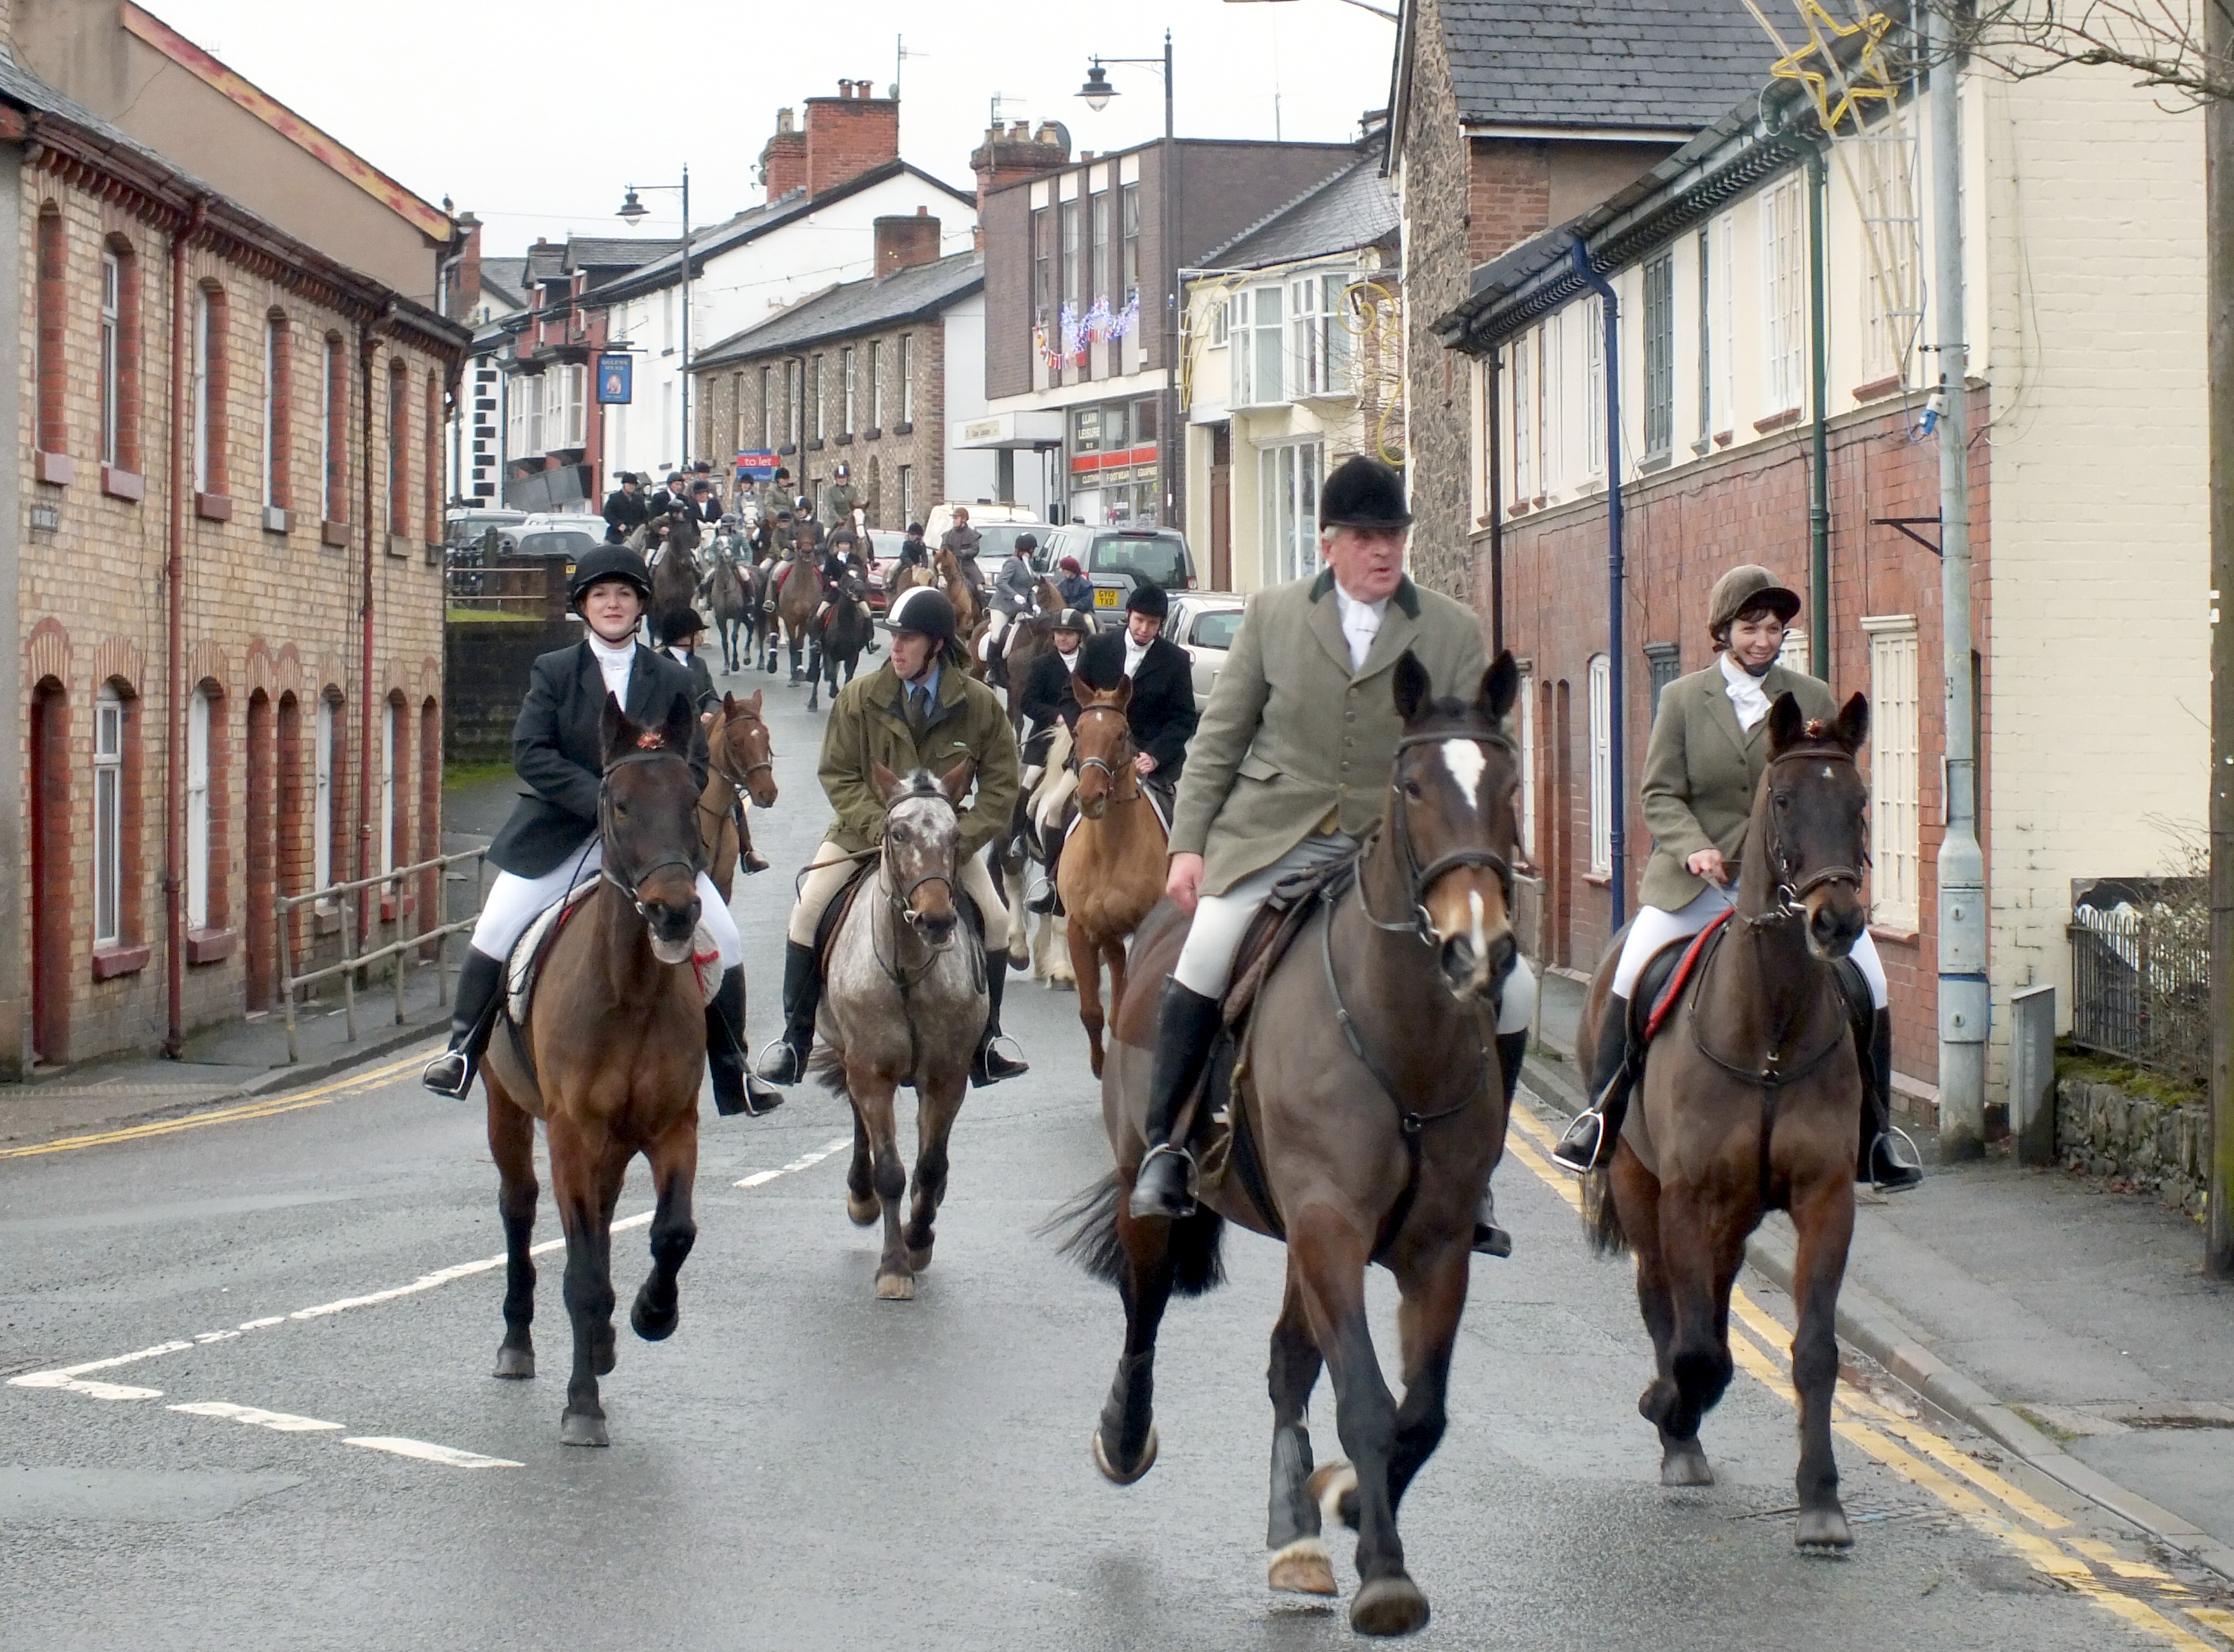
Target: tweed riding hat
[(1749, 589), (1149, 599), (609, 562), (1363, 492), (923, 610)]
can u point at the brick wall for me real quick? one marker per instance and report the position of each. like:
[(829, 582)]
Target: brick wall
[(848, 135)]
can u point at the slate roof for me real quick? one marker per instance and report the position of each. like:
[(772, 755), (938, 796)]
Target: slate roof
[(1644, 64), (1353, 208), (508, 277), (855, 307)]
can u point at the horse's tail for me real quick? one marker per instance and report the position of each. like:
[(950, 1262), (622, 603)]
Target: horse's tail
[(1085, 1230), (1601, 1215), (826, 1065)]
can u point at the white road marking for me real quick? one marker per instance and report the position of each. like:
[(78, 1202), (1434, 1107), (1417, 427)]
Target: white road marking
[(70, 1384), (761, 1177), (1465, 763), (449, 1456), (257, 1417)]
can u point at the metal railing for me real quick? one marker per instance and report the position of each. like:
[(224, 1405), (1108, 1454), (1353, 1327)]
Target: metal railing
[(513, 590), (343, 898), (2140, 986)]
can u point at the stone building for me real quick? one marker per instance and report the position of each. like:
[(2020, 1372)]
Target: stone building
[(223, 571)]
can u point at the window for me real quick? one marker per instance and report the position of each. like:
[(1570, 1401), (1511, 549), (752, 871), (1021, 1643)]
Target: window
[(198, 811), (108, 817), (767, 404), (119, 413), (1524, 408), (847, 389), (565, 399), (876, 384), (1334, 307), (388, 786), (1793, 656), (1289, 510), (1131, 197), (1221, 320), (431, 475), (1784, 290), (1069, 255), (794, 399), (399, 454), (53, 328), (1099, 267), (1259, 358), (209, 391), (907, 495), (1594, 403), (1307, 335), (907, 378), (1891, 227), (111, 351), (814, 393), (1726, 403), (1042, 263), (333, 433), (1602, 800), (1896, 811), (322, 808), (1526, 705), (1706, 334), (278, 410), (1659, 354), (1551, 402)]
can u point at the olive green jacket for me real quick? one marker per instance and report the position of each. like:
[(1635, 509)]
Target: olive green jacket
[(1293, 742), (867, 726), (1701, 773)]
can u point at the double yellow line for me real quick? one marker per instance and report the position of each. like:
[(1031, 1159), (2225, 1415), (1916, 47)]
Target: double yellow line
[(1987, 1501), (262, 1108)]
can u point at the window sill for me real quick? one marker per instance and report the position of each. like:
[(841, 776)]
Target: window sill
[(905, 428), (1876, 387), (846, 441), (387, 907), (1652, 462), (213, 507), (788, 447), (1776, 421), (1599, 879), (1519, 507), (402, 545), (209, 946), (110, 963), (56, 470), (123, 484), (1724, 438), (334, 533), (1896, 934), (275, 519), (814, 445), (872, 433)]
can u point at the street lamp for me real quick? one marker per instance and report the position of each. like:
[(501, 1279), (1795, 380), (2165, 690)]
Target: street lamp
[(632, 211), (1097, 91)]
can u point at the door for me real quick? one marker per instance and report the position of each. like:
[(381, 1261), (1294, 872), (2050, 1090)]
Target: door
[(1221, 507), (52, 940)]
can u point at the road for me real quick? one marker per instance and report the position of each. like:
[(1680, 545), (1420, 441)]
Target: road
[(316, 1456)]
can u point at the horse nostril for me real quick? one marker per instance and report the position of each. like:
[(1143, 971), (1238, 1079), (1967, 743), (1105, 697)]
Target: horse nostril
[(1457, 957)]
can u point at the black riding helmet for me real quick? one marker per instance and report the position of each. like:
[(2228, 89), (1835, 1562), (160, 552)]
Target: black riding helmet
[(609, 562), (924, 610), (1149, 599)]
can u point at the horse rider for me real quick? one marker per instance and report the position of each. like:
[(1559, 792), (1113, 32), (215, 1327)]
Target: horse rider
[(843, 498), (1076, 588), (1014, 589), (1096, 660), (1049, 697), (552, 841), (961, 541), (703, 471), (672, 496), (704, 505), (921, 709), (682, 628), (841, 561), (914, 553), (625, 509), (1702, 772), (1305, 704)]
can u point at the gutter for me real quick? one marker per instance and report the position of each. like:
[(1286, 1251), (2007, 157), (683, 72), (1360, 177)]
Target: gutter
[(174, 579)]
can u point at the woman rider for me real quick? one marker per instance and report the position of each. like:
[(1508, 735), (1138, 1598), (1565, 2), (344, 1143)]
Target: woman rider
[(552, 842), (1701, 773)]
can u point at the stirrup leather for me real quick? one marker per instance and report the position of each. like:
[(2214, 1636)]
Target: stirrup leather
[(1581, 1147)]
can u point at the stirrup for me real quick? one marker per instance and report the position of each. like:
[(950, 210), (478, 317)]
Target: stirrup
[(1908, 1164), (781, 1062), (450, 1073), (1011, 1061), (1581, 1147), (1182, 1203), (1041, 898)]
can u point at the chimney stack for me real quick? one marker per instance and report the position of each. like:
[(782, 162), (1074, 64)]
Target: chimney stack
[(468, 293), (847, 135), (783, 157), (903, 242), (1005, 157)]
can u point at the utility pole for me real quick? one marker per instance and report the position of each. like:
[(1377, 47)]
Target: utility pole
[(1961, 866), (2219, 240)]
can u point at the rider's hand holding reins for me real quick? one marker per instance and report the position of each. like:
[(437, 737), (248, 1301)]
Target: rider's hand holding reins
[(1184, 883), (1709, 864)]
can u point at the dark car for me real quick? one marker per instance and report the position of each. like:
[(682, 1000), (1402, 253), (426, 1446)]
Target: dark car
[(1116, 559)]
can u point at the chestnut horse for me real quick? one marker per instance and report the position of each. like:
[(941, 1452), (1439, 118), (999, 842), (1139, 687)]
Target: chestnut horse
[(1748, 1105), (1369, 1085), (741, 763), (1111, 871), (795, 602), (610, 1061)]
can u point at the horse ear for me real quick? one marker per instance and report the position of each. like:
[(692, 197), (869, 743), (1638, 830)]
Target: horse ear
[(1853, 725), (729, 703), (616, 733), (1122, 695), (1413, 686), (956, 781), (1500, 686), (1786, 722), (682, 725), (888, 784), (755, 702)]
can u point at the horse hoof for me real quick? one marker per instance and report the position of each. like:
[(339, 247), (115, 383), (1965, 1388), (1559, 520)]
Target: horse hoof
[(1063, 983), (1333, 1486), (1685, 1463), (1822, 1532), (577, 1428), (654, 1327), (1115, 1476), (1303, 1567), (863, 1210), (1389, 1606), (513, 1363), (895, 1288)]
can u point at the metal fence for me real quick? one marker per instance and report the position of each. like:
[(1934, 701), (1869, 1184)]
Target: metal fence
[(2141, 985), (344, 898), (521, 590)]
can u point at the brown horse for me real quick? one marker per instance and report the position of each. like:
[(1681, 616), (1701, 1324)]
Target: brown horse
[(969, 607), (741, 764), (1748, 1104), (1029, 638), (794, 605), (1111, 873), (676, 574), (610, 1061), (1369, 1085)]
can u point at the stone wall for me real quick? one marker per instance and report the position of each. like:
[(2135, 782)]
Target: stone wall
[(2106, 1130)]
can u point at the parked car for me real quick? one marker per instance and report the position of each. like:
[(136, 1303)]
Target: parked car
[(884, 551), (464, 526), (572, 543), (1116, 559), (1202, 623)]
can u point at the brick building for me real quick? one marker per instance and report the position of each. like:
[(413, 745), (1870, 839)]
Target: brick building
[(873, 374), (222, 574)]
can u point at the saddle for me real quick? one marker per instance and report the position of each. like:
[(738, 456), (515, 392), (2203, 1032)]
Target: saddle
[(525, 964), (833, 915)]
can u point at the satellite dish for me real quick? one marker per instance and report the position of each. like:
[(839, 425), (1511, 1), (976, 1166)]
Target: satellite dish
[(894, 93)]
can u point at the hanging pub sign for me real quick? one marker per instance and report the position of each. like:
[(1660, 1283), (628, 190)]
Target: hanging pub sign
[(615, 377)]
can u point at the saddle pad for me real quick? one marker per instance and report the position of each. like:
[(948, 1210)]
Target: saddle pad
[(1665, 999), (529, 952)]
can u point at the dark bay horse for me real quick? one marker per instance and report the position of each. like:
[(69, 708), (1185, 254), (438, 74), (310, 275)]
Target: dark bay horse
[(740, 764), (1375, 1143), (1748, 1104), (674, 541), (729, 590), (610, 1061), (795, 601), (845, 633)]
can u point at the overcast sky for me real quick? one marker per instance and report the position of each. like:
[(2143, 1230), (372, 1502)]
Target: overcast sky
[(536, 117)]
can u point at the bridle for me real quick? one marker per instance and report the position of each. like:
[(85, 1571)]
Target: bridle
[(738, 783), (902, 896), (1420, 879), (1118, 773), (1787, 896), (628, 881)]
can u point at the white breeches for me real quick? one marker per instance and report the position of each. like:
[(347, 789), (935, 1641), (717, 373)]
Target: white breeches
[(1653, 928), (1206, 963), (514, 902), (1054, 797), (833, 867), (996, 624)]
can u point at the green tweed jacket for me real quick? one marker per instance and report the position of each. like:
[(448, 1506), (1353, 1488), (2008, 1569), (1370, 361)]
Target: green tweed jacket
[(868, 725), (1294, 742), (1701, 773)]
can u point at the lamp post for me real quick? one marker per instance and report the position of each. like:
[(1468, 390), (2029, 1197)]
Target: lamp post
[(1097, 91), (633, 210)]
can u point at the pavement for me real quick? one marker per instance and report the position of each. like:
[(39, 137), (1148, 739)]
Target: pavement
[(245, 1398)]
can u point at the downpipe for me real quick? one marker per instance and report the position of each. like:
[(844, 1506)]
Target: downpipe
[(174, 577), (1618, 674)]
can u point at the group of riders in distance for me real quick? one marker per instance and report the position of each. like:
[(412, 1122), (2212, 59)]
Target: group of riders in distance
[(1302, 893)]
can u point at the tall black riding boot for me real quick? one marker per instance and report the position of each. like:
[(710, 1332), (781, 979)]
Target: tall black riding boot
[(1880, 1164), (472, 1013), (994, 1063), (784, 1061), (1186, 1023), (1489, 1238), (735, 1089), (746, 856), (1590, 1139)]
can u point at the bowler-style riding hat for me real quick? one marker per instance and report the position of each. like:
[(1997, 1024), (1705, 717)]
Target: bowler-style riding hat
[(1150, 600), (1749, 589), (609, 562), (1363, 492), (681, 622), (923, 610)]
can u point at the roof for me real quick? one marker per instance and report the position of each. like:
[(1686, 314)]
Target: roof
[(507, 277), (855, 307), (1642, 65), (1353, 208)]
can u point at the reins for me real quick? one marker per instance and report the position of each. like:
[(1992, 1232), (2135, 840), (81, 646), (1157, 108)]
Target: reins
[(1118, 773), (1422, 879), (629, 883)]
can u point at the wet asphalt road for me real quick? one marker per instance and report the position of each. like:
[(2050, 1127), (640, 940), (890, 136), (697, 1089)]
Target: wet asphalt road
[(804, 1466)]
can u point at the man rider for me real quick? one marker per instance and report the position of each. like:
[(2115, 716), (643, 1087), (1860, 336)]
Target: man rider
[(625, 509), (703, 504), (921, 709), (1305, 692), (962, 540)]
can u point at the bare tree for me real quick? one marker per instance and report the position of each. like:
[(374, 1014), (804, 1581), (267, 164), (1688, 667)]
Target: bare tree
[(2168, 45)]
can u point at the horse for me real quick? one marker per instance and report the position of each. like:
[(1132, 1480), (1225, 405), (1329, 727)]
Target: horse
[(728, 588), (907, 577), (904, 1003), (1368, 1083), (794, 606), (846, 632), (740, 762), (969, 606), (675, 570), (1111, 873), (609, 1059), (1028, 638), (1748, 1103)]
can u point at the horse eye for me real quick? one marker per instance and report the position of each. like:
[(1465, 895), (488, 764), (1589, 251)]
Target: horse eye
[(1411, 789), (1781, 800)]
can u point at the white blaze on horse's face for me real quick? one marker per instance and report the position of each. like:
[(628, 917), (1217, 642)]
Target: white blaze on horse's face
[(1465, 905), (1466, 764)]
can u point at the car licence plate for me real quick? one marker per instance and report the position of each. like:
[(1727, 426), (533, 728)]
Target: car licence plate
[(1108, 597)]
